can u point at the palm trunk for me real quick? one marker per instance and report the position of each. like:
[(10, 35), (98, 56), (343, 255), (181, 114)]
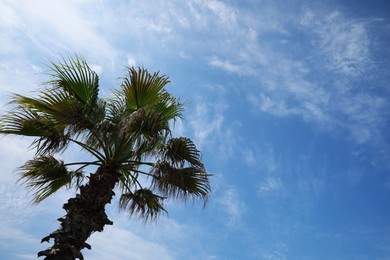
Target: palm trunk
[(85, 214)]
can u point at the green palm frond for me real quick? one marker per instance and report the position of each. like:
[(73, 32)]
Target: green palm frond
[(45, 175), (50, 102), (169, 107), (127, 180), (181, 150), (180, 183), (59, 107), (163, 103), (142, 89), (143, 203), (69, 107), (75, 77), (116, 107), (150, 124), (50, 137)]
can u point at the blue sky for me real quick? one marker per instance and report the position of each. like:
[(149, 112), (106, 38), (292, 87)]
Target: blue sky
[(288, 101)]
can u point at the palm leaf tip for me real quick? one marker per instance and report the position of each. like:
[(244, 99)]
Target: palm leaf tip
[(142, 202), (45, 175)]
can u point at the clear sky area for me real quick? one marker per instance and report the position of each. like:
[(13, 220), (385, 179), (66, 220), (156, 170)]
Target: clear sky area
[(288, 101)]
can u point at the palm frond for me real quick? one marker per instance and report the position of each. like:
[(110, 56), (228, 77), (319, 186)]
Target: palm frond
[(150, 124), (75, 77), (141, 111), (45, 175), (128, 180), (50, 137), (141, 88), (59, 107), (117, 108), (169, 107), (143, 203), (181, 150), (180, 183)]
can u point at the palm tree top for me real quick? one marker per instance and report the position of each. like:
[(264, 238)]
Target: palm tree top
[(127, 135)]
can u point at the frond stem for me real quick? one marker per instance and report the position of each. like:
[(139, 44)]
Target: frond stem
[(86, 163), (137, 163), (94, 152), (145, 173), (136, 180)]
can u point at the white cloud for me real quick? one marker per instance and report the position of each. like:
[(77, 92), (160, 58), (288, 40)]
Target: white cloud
[(339, 57), (208, 126), (249, 156), (97, 68), (131, 62), (14, 241), (225, 13), (15, 152), (205, 124), (268, 160), (293, 78), (8, 17), (54, 28), (313, 185), (232, 205), (225, 65), (271, 184), (117, 243), (13, 201), (344, 42)]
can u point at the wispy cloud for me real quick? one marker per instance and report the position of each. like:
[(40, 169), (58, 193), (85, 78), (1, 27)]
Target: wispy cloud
[(270, 184), (13, 201), (284, 58), (117, 243), (15, 152), (63, 23), (233, 206), (343, 41), (16, 213), (207, 122), (226, 14), (334, 99), (225, 65), (13, 241)]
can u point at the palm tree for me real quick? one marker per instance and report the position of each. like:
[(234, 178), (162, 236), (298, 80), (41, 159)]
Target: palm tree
[(127, 137)]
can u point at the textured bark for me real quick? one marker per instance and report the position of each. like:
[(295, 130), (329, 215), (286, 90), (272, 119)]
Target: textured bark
[(85, 214)]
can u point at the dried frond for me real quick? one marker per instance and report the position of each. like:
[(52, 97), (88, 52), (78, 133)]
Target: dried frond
[(143, 203)]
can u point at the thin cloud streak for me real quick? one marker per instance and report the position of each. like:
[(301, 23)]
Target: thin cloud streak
[(233, 206)]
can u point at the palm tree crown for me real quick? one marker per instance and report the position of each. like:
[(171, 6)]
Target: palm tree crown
[(128, 136)]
